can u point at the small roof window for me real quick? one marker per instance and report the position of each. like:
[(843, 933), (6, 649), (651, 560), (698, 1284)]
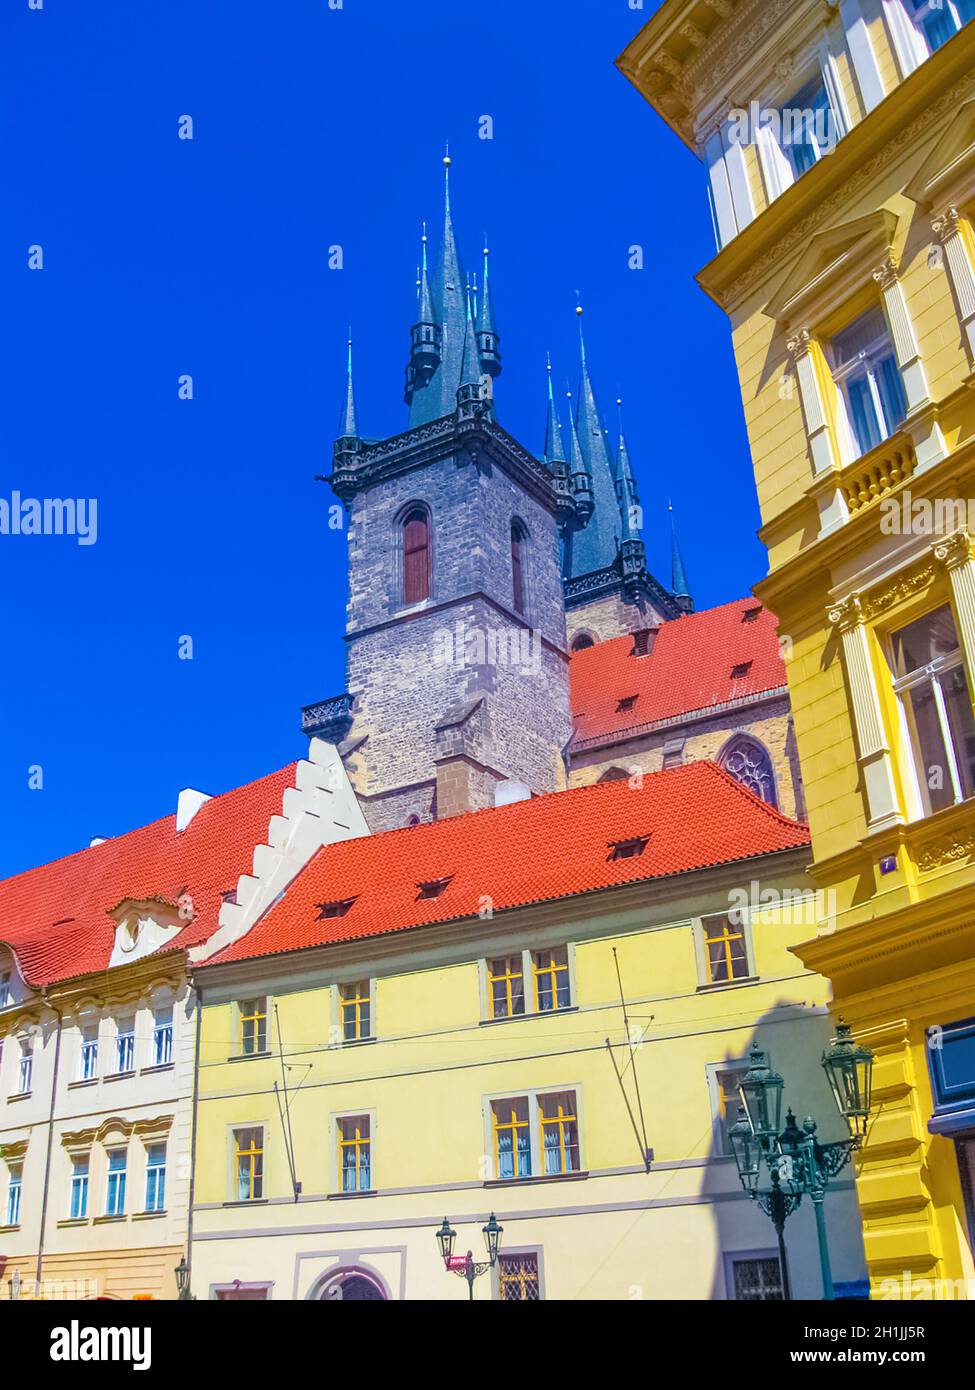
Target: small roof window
[(338, 907)]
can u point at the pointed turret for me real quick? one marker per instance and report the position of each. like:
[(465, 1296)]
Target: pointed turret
[(555, 458), (349, 429), (595, 547), (346, 449), (470, 403), (425, 335), (679, 585), (488, 341), (579, 475), (433, 393), (633, 553)]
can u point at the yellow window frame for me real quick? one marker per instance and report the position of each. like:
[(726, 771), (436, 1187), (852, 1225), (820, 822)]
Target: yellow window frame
[(251, 1154), (724, 938), (257, 1017), (360, 1144), (553, 969), (561, 1119), (359, 1004), (513, 1125), (508, 977)]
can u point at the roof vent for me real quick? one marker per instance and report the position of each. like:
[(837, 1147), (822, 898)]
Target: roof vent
[(626, 704), (337, 908), (750, 614), (432, 887), (742, 669), (644, 641), (628, 849), (97, 840), (187, 806), (508, 792)]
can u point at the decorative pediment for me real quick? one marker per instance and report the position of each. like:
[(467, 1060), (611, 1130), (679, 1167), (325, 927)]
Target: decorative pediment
[(118, 1127), (947, 170), (836, 263), (15, 1151)]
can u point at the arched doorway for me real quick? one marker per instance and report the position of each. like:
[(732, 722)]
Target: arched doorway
[(352, 1285)]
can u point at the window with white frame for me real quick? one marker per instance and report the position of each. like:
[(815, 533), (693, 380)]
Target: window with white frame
[(252, 1017), (935, 708), (15, 1182), (115, 1182), (162, 1037), (808, 125), (6, 993), (936, 21), (125, 1045), (870, 392), (88, 1056), (79, 1187), (535, 1134), (355, 1010), (25, 1070), (156, 1177)]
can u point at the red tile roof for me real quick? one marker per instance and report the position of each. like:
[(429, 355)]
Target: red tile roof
[(689, 669), (554, 846), (55, 917)]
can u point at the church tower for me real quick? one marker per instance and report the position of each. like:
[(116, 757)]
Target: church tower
[(456, 646), (608, 588)]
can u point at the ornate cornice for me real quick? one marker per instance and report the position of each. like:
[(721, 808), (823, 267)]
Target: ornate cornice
[(147, 1127), (947, 851), (865, 173)]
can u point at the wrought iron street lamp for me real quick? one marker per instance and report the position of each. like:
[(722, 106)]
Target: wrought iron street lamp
[(183, 1282), (465, 1265), (797, 1163)]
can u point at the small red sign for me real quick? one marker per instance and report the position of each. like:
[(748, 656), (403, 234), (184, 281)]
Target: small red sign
[(457, 1262)]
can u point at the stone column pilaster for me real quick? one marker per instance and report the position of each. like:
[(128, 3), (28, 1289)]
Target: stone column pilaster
[(874, 760), (947, 228), (929, 444)]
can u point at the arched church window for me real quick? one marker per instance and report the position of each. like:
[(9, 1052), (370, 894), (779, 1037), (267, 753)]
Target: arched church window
[(416, 556), (749, 763), (519, 555), (614, 774), (581, 641)]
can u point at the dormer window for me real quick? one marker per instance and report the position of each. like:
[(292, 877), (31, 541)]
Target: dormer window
[(628, 849), (432, 887), (627, 703), (750, 614), (338, 907), (6, 993), (644, 641), (741, 670)]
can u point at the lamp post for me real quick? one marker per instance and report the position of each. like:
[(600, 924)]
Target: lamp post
[(796, 1161), (465, 1265), (183, 1282)]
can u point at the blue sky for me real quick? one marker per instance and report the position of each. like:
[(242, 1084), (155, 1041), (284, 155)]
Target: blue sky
[(312, 127)]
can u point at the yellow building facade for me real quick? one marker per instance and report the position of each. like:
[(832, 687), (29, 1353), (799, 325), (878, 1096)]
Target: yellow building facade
[(840, 147), (352, 1095)]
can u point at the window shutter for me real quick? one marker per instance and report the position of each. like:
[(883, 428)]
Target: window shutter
[(416, 558)]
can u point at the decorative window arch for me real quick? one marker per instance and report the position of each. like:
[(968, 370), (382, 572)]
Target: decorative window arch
[(519, 566), (351, 1283), (614, 774), (748, 761), (581, 641), (415, 541)]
